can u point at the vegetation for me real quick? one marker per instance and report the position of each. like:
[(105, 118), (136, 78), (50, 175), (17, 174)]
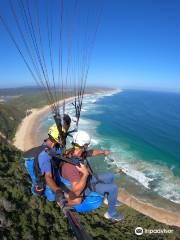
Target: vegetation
[(15, 109), (9, 119), (24, 216)]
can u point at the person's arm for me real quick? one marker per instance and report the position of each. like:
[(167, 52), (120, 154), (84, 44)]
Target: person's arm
[(59, 195), (97, 152), (50, 181), (78, 187), (45, 167)]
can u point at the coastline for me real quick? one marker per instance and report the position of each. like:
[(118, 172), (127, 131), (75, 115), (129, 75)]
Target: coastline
[(159, 214), (26, 134), (26, 137)]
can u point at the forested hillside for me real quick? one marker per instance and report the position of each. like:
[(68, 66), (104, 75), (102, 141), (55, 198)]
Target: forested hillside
[(9, 119), (23, 216), (14, 106)]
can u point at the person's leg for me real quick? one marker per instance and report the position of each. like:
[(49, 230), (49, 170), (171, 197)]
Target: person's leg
[(104, 177), (108, 178), (112, 191)]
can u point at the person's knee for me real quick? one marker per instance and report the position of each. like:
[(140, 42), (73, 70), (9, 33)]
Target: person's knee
[(111, 176), (114, 188)]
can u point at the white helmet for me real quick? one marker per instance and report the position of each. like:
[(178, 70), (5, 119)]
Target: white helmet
[(81, 138)]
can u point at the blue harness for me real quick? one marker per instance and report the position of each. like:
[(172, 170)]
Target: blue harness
[(91, 202)]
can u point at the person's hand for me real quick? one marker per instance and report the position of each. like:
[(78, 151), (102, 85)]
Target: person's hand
[(59, 197), (121, 171), (83, 169), (71, 196), (107, 152)]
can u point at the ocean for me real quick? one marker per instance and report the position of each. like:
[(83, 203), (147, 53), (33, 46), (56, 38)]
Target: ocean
[(142, 130)]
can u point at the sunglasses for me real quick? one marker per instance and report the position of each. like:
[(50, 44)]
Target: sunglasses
[(79, 147)]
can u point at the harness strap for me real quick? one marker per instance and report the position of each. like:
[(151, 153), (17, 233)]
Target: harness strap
[(36, 164), (69, 160), (75, 162), (40, 177), (54, 168)]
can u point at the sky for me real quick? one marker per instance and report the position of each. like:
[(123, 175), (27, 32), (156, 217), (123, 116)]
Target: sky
[(137, 46)]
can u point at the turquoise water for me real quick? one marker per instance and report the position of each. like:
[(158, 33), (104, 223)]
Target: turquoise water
[(142, 130)]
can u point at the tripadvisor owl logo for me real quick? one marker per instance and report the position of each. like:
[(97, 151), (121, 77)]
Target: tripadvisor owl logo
[(139, 231)]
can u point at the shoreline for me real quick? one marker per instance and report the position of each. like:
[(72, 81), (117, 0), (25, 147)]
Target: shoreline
[(26, 138), (26, 134), (159, 214)]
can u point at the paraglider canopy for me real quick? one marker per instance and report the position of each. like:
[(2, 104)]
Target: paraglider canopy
[(55, 39)]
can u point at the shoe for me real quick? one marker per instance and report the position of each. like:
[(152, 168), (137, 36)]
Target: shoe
[(105, 201), (116, 217), (118, 203)]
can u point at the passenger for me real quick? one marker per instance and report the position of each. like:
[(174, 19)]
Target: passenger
[(80, 176)]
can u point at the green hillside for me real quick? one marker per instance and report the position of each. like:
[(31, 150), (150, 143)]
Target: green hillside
[(13, 110), (23, 216)]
